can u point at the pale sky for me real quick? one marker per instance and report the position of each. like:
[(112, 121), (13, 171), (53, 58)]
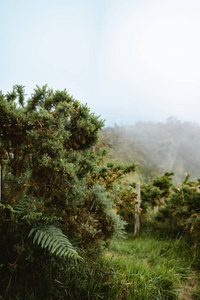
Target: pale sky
[(129, 60)]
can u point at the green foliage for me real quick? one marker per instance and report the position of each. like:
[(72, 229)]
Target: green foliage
[(111, 174), (149, 268), (153, 194), (182, 211), (55, 188), (126, 206), (52, 238)]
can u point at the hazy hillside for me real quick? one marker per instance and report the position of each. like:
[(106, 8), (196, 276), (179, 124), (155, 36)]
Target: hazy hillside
[(173, 146)]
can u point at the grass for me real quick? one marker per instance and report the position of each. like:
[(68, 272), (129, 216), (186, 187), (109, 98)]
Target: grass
[(137, 268), (148, 268)]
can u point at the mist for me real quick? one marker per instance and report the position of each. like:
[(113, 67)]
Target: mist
[(171, 146)]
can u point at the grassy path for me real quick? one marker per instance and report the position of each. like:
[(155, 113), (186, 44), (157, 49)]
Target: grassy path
[(148, 268)]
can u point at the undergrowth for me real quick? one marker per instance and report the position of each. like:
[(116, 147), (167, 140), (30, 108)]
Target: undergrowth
[(148, 268), (137, 268)]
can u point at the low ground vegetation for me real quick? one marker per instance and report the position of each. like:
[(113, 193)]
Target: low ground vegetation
[(153, 268)]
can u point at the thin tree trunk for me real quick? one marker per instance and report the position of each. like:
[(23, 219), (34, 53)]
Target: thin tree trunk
[(137, 207), (0, 183)]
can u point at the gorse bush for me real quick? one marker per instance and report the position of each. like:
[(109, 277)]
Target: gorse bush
[(182, 212), (155, 193), (57, 193)]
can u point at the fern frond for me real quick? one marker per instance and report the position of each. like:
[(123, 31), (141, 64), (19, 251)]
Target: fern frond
[(54, 240), (9, 207), (40, 217), (21, 207)]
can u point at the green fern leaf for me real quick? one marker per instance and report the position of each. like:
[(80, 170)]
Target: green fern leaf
[(43, 240), (52, 238), (40, 237), (47, 242), (31, 231)]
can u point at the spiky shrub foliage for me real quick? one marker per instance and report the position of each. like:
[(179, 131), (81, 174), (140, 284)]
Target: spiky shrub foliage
[(54, 193), (181, 213), (154, 194), (126, 205), (110, 174)]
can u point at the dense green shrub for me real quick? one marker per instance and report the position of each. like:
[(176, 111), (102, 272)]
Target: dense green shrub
[(56, 201), (153, 194), (181, 213)]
